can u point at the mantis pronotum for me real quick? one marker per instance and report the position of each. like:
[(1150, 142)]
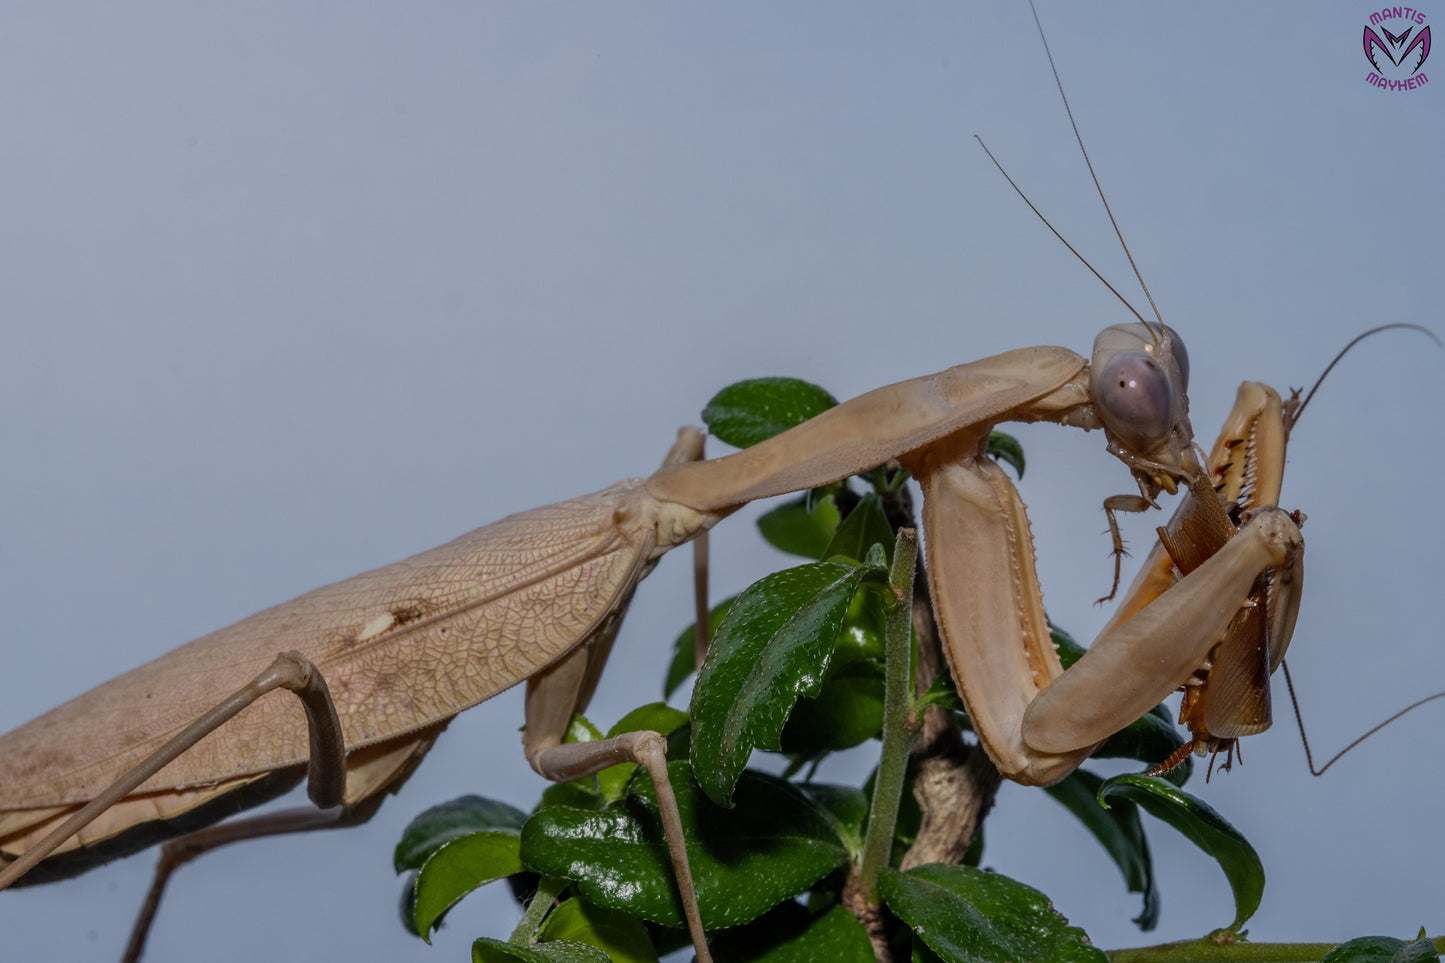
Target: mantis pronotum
[(1295, 306)]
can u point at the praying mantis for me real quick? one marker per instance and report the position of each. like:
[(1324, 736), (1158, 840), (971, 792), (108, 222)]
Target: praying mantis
[(475, 391)]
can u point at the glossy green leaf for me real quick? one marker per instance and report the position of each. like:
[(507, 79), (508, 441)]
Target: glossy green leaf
[(1006, 449), (966, 915), (440, 824), (793, 933), (847, 711), (406, 905), (864, 631), (458, 867), (775, 844), (1120, 831), (974, 856), (600, 786), (655, 716), (943, 693), (684, 648), (1204, 827), (581, 729), (843, 806), (773, 647), (495, 951), (748, 412), (866, 526), (1383, 949), (1149, 740), (580, 793), (803, 526), (623, 938), (1069, 650)]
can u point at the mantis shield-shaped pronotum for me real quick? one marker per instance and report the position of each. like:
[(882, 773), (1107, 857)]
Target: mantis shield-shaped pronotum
[(369, 433)]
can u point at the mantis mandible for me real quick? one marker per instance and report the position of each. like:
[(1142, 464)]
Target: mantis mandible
[(355, 362)]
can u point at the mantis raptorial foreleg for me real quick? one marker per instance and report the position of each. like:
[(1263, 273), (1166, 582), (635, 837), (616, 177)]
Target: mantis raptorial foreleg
[(1227, 696), (1036, 721)]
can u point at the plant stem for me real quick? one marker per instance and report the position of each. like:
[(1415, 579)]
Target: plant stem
[(893, 763), (548, 889), (1208, 951)]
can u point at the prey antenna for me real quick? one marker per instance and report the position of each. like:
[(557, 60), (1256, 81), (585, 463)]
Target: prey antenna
[(1097, 186), (1309, 756), (1294, 419)]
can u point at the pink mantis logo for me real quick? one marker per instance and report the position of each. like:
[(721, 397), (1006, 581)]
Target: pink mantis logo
[(1397, 58)]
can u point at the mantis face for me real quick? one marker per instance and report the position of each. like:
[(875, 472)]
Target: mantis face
[(1139, 382)]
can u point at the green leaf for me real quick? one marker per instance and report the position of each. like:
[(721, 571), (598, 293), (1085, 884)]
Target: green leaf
[(847, 711), (406, 905), (581, 729), (800, 528), (495, 951), (773, 646), (440, 824), (1070, 651), (775, 844), (1119, 830), (1007, 450), (457, 868), (866, 526), (623, 938), (943, 693), (792, 933), (974, 856), (966, 915), (1202, 826), (845, 807), (581, 793), (1383, 949), (864, 634), (748, 412), (684, 647), (656, 717), (598, 788), (1150, 740)]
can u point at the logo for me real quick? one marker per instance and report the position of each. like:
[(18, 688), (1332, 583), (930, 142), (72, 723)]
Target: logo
[(1397, 44)]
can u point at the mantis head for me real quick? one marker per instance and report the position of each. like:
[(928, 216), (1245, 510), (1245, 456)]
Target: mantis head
[(1139, 382)]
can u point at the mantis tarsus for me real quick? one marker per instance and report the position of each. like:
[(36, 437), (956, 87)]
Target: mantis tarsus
[(668, 409)]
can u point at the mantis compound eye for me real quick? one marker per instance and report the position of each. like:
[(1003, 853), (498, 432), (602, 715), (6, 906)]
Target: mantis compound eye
[(1181, 356), (1135, 400)]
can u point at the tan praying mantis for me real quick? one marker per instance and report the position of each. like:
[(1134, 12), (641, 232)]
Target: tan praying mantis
[(539, 597), (382, 661), (363, 626)]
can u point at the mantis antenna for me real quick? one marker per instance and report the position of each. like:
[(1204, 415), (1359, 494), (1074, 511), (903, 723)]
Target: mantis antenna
[(1156, 327), (1097, 186)]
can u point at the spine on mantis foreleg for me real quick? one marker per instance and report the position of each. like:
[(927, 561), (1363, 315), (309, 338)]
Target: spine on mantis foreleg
[(1129, 670)]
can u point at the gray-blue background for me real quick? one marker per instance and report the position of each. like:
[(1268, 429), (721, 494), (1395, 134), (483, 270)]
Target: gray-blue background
[(288, 291)]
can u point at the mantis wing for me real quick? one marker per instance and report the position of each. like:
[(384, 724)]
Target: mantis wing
[(402, 647)]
